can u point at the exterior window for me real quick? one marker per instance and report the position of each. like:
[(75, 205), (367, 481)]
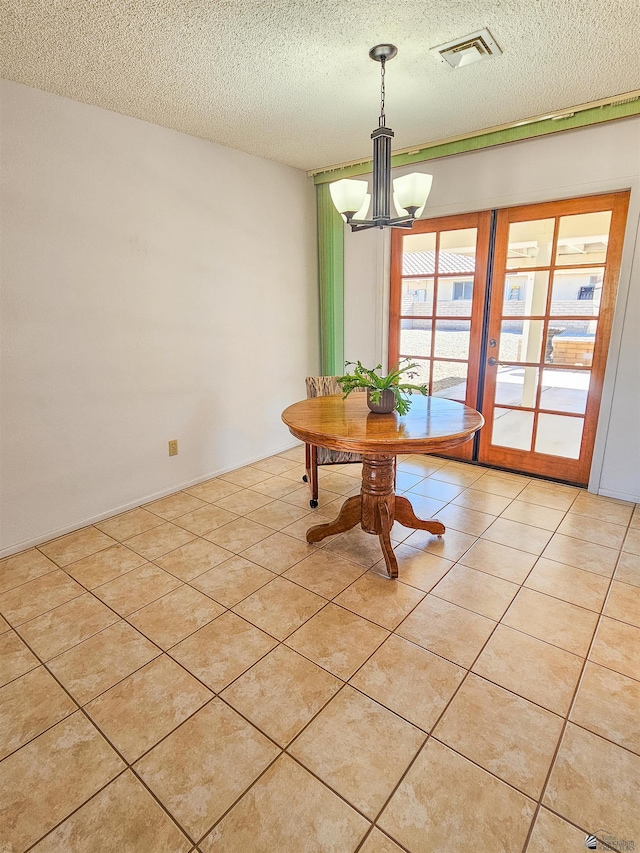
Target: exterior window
[(586, 292), (462, 290), (514, 293)]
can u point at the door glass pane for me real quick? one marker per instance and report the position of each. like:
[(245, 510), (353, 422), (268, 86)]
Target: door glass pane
[(415, 340), (530, 244), (525, 294), (583, 238), (517, 386), (521, 340), (577, 292), (573, 344), (455, 296), (452, 339), (450, 380), (457, 252), (512, 428), (565, 390), (417, 297), (421, 371), (559, 435)]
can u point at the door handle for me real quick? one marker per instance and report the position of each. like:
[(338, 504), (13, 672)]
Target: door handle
[(492, 362)]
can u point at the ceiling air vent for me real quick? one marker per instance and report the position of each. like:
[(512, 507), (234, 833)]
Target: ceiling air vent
[(468, 49)]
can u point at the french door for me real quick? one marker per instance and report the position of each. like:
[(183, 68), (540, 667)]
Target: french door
[(529, 350)]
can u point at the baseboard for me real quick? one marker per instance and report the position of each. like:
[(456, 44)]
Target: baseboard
[(619, 496), (62, 531)]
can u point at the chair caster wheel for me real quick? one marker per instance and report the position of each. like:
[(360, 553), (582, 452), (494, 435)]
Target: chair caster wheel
[(313, 504), (439, 535), (305, 479)]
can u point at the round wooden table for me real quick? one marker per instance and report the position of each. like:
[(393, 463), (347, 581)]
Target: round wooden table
[(431, 425)]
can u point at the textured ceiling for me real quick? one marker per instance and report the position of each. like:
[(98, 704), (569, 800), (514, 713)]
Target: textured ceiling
[(292, 81)]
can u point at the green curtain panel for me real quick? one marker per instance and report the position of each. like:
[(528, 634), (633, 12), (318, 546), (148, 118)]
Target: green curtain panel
[(331, 283)]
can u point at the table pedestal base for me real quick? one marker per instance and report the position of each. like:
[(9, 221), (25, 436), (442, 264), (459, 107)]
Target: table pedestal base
[(376, 508)]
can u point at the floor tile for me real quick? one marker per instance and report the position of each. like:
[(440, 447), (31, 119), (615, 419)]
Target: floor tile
[(465, 519), (452, 546), (569, 584), (154, 543), (421, 465), (276, 487), (617, 646), (295, 453), (244, 501), (105, 566), (277, 514), (416, 568), (122, 817), (280, 607), (193, 559), (324, 573), (281, 693), (274, 465), (628, 569), (554, 621), (337, 483), (530, 539), (356, 545), (448, 804), (98, 663), (174, 505), (278, 552), (581, 555), (632, 541), (551, 834), (4, 625), (533, 515), (137, 588), (245, 477), (202, 767), (298, 530), (239, 535), (15, 657), (129, 524), (546, 494), (593, 506), (623, 603), (359, 748), (75, 546), (405, 480), (233, 580), (23, 567), (337, 640), (222, 650), (593, 530), (507, 735), (175, 616), (458, 475), (450, 631), (212, 490), (423, 507), (436, 489), (29, 705), (477, 591), (377, 842), (534, 670), (209, 517), (42, 783), (38, 596), (607, 703), (381, 600), (329, 502), (502, 561), (409, 680), (500, 486), (146, 706), (593, 783), (280, 812), (66, 626), (482, 501)]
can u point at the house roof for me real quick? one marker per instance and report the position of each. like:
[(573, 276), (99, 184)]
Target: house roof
[(423, 263), (291, 80)]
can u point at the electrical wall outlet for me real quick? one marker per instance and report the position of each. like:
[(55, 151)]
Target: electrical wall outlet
[(173, 447)]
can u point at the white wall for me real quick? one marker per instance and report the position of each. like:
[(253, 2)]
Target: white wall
[(154, 286), (574, 163)]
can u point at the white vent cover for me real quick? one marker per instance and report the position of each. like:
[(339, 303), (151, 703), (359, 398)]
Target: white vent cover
[(468, 49)]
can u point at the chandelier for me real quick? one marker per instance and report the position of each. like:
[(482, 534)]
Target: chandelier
[(410, 192)]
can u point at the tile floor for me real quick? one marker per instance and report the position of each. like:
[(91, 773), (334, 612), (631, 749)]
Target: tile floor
[(192, 676)]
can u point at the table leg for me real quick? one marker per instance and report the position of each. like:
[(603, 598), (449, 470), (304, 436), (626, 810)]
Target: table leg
[(348, 517), (405, 515)]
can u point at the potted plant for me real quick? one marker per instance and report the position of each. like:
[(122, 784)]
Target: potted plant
[(384, 393)]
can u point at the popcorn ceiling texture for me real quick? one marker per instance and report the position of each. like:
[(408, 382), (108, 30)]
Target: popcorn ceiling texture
[(290, 80)]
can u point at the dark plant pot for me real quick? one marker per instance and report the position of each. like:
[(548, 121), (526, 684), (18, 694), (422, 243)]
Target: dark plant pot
[(387, 402)]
